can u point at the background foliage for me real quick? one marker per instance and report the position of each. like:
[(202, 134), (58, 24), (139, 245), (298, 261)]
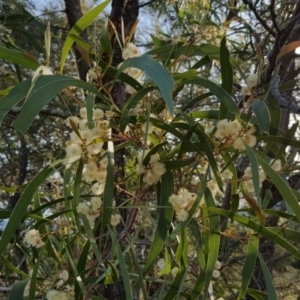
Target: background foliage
[(150, 160)]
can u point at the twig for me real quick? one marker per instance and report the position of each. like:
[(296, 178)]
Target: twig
[(274, 16), (147, 3), (259, 18), (281, 100)]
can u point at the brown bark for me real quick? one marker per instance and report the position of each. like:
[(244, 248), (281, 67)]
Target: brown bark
[(128, 11), (74, 13)]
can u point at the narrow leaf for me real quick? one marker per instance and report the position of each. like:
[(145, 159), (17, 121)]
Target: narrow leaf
[(157, 73), (80, 26)]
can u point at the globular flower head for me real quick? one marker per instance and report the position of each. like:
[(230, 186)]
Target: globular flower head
[(115, 219), (131, 50), (252, 80), (33, 238)]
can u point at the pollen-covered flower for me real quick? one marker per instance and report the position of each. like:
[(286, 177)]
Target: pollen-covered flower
[(83, 208), (226, 175), (98, 114), (83, 113), (227, 129), (252, 80), (213, 187), (276, 165), (74, 152), (248, 183), (98, 188), (33, 238), (115, 219), (153, 171), (182, 215), (182, 202), (57, 295), (96, 203), (131, 50)]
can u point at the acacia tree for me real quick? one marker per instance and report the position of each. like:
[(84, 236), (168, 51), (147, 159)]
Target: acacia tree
[(162, 157)]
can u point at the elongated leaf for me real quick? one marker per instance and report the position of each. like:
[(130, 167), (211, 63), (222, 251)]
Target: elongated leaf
[(255, 172), (82, 43), (45, 89), (219, 92), (18, 58), (164, 220), (33, 280), (288, 48), (279, 139), (226, 74), (130, 103), (123, 266), (108, 195), (268, 279), (157, 73), (262, 113), (213, 239), (80, 26), (21, 207), (196, 100), (282, 187), (81, 267), (17, 291), (249, 265), (258, 228), (275, 113), (75, 271), (177, 283), (91, 238), (11, 267)]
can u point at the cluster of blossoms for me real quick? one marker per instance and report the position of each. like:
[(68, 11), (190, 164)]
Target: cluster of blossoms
[(63, 291), (87, 144), (182, 202), (55, 289), (33, 238), (153, 171), (91, 211), (130, 51), (209, 33), (252, 81), (248, 183), (231, 133)]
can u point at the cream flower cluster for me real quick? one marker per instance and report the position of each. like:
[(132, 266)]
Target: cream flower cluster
[(248, 178), (91, 211), (153, 171), (232, 133), (56, 289), (131, 50), (87, 143), (252, 81), (33, 238), (182, 202), (216, 272), (115, 219), (63, 291)]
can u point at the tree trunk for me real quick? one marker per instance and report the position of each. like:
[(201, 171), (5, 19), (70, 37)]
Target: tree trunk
[(74, 13)]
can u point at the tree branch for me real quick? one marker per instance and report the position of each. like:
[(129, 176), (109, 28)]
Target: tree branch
[(259, 18), (281, 100), (147, 3)]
